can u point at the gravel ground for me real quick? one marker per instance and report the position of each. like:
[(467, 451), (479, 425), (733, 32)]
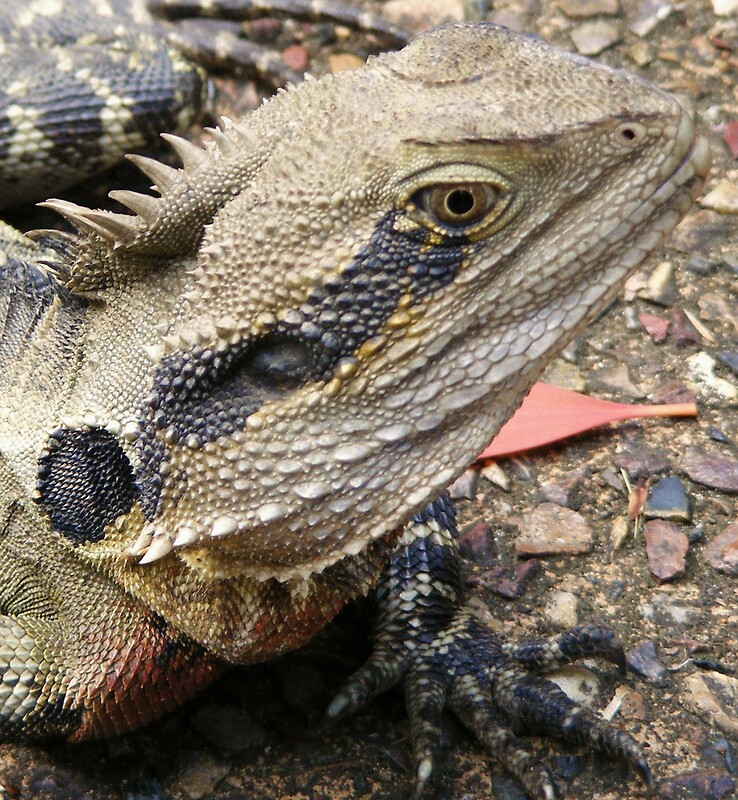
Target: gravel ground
[(666, 581)]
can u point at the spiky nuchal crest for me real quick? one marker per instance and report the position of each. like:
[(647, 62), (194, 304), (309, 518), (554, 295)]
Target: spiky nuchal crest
[(352, 311)]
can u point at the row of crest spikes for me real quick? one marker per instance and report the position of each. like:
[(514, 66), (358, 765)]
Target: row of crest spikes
[(121, 229)]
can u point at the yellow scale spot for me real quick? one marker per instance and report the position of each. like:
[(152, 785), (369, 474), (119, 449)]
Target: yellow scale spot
[(346, 368), (333, 387), (400, 319), (435, 239), (371, 346)]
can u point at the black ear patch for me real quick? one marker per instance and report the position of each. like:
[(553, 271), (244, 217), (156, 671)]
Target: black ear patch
[(85, 481)]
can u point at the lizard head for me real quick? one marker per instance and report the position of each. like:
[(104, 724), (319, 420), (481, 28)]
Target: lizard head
[(389, 262)]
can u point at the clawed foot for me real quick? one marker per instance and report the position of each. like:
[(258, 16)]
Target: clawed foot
[(494, 688)]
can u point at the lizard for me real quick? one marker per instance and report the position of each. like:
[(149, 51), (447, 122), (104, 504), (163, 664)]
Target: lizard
[(228, 414), (82, 84)]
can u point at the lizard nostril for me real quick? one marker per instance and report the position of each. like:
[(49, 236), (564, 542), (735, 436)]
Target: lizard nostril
[(631, 133)]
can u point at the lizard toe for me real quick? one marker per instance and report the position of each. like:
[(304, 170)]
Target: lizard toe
[(383, 670), (584, 641)]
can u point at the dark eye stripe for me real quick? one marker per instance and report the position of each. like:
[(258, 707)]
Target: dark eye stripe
[(199, 395)]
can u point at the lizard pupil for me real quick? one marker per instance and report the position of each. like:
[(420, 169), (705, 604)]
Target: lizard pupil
[(459, 202)]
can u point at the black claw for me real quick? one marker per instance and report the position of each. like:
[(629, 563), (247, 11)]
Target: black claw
[(642, 768), (715, 666)]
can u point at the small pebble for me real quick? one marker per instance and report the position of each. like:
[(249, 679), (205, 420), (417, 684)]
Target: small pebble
[(514, 587), (723, 198), (503, 786), (295, 57), (566, 375), (667, 612), (702, 369), (684, 331), (643, 660), (666, 547), (648, 16), (477, 544), (723, 754), (553, 530), (714, 306), (565, 767), (673, 392), (661, 287), (730, 359), (724, 8), (508, 18), (699, 265), (722, 552), (668, 500), (699, 232), (264, 29), (641, 461), (577, 683), (495, 474), (199, 779), (714, 697), (656, 327), (696, 535), (343, 62), (465, 486), (641, 53), (568, 489), (415, 15), (720, 436), (229, 728), (707, 784), (591, 38), (561, 609), (715, 470), (626, 702), (618, 380), (572, 354), (612, 478), (618, 533)]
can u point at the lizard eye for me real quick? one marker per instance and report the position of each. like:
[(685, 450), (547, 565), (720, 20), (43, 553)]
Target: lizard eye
[(279, 361), (457, 204)]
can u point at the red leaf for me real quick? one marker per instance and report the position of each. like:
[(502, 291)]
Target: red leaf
[(549, 414)]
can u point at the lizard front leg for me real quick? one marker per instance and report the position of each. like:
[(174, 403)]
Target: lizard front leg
[(428, 641)]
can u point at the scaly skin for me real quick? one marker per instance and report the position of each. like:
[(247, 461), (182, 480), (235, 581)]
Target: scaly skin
[(83, 82), (235, 410)]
